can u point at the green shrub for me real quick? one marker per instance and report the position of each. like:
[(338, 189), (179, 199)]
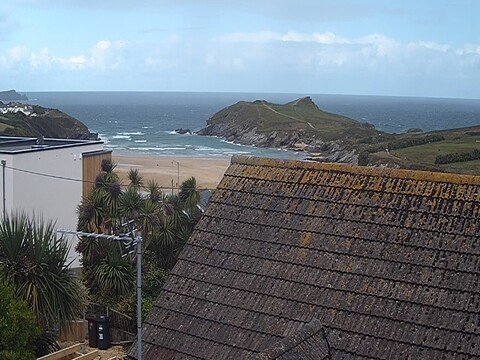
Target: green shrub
[(363, 158), (458, 157), (406, 142), (18, 329)]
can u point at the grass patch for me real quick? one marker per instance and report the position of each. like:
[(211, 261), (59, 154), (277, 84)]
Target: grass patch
[(427, 153), (4, 127)]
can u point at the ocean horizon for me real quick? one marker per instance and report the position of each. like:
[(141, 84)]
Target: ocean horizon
[(143, 123)]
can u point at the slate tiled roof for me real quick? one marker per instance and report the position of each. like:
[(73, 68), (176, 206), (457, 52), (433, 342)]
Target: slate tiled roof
[(386, 260)]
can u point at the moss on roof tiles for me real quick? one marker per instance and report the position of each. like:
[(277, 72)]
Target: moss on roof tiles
[(358, 170), (387, 261)]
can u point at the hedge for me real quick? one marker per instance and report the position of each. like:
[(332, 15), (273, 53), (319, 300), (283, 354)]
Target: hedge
[(458, 157)]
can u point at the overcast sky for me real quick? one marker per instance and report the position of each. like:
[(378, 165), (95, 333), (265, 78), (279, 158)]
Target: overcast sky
[(415, 48)]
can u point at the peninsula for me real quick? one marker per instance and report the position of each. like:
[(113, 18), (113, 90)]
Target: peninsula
[(301, 125), (12, 95), (19, 119), (298, 125)]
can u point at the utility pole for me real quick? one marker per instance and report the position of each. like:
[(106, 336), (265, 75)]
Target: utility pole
[(133, 237), (178, 172), (139, 293), (4, 163)]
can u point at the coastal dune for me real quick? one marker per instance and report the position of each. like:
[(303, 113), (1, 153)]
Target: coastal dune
[(207, 171)]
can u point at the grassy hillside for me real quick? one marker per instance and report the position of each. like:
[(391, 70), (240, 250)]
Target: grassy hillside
[(305, 115), (301, 125), (456, 141), (48, 123), (300, 120)]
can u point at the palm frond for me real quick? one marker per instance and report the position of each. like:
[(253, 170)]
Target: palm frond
[(114, 275), (189, 193), (154, 191), (108, 166), (36, 264), (131, 203), (136, 180)]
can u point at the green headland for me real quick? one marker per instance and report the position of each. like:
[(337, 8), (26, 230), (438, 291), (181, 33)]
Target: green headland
[(301, 125)]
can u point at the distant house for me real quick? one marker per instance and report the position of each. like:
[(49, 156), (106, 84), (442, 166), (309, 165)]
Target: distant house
[(17, 107), (49, 177), (296, 260)]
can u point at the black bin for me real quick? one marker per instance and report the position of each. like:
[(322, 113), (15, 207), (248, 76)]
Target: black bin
[(92, 331), (103, 332)]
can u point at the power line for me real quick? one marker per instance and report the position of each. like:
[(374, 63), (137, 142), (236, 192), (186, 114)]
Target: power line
[(49, 175), (58, 177)]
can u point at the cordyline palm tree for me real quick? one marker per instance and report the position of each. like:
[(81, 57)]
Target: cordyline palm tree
[(35, 262), (189, 194), (114, 275), (98, 212), (154, 191), (131, 203), (136, 180), (164, 221)]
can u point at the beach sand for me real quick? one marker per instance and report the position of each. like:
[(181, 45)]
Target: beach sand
[(207, 171)]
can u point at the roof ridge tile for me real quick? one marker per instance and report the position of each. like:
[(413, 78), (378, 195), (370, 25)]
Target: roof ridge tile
[(358, 170)]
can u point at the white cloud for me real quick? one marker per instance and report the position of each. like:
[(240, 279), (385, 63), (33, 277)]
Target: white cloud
[(17, 53), (103, 55), (75, 62), (328, 48), (428, 45), (258, 59), (469, 49), (42, 59), (290, 36)]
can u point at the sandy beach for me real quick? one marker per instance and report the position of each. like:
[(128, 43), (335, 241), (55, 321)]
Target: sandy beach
[(207, 171)]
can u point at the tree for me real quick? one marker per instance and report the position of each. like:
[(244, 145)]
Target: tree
[(189, 193), (165, 222), (18, 328), (154, 192), (35, 263), (136, 180), (114, 275)]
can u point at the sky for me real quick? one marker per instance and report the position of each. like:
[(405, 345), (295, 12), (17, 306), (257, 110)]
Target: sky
[(405, 48)]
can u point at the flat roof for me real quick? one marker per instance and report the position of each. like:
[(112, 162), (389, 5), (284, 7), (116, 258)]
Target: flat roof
[(16, 145)]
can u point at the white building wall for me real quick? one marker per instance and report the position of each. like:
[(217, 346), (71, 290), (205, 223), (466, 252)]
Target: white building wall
[(8, 184), (55, 199)]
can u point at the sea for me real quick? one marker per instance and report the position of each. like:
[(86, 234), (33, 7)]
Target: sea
[(143, 123)]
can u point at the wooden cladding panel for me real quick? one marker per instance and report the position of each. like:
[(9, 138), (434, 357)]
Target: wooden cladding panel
[(91, 167)]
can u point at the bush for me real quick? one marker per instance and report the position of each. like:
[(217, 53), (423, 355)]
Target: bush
[(165, 221), (18, 329), (36, 264), (458, 157), (375, 139), (363, 158), (407, 142)]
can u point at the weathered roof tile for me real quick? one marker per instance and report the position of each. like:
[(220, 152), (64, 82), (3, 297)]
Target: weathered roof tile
[(386, 260)]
